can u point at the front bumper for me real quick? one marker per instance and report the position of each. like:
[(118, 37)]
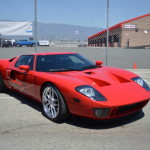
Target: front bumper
[(107, 112), (119, 111)]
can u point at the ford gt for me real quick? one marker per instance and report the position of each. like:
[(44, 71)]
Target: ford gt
[(66, 83)]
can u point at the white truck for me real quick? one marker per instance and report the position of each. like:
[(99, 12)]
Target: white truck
[(43, 43)]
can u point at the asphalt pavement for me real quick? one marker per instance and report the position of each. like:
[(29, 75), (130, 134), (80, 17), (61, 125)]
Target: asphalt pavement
[(24, 127), (116, 57)]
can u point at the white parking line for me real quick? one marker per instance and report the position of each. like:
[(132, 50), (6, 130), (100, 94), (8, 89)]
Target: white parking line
[(147, 82)]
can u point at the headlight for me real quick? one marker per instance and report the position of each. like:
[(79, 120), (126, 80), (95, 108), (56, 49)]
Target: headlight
[(90, 92), (141, 82)]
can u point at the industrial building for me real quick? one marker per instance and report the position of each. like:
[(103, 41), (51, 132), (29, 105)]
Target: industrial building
[(131, 33)]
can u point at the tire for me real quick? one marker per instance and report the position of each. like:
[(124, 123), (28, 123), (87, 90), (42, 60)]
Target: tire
[(53, 103), (18, 45), (2, 85), (34, 45)]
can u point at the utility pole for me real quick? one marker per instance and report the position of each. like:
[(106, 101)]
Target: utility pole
[(35, 24), (107, 40), (0, 39)]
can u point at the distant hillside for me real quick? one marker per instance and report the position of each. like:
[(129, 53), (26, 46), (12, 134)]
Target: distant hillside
[(51, 31), (63, 31)]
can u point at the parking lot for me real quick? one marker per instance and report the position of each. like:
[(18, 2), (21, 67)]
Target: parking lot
[(117, 57), (24, 127)]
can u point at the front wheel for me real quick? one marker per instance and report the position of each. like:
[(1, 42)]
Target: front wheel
[(19, 45), (53, 103)]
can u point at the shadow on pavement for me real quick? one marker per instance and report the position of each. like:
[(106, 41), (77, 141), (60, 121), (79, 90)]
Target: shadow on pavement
[(25, 100), (105, 124), (82, 122)]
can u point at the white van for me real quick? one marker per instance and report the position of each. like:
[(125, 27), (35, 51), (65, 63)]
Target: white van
[(43, 43)]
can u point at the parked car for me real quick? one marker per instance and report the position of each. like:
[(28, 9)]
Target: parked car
[(43, 43), (25, 43), (66, 83), (82, 45), (12, 42), (7, 43)]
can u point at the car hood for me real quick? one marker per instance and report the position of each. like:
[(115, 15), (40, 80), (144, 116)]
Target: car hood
[(115, 84), (101, 77)]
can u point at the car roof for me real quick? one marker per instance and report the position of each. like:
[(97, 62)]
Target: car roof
[(51, 53)]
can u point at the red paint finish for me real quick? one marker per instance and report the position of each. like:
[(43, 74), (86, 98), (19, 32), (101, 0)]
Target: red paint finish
[(123, 95)]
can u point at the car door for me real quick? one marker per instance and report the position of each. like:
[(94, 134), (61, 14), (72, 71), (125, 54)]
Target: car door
[(21, 80)]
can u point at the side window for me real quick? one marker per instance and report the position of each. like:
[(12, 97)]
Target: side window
[(25, 60)]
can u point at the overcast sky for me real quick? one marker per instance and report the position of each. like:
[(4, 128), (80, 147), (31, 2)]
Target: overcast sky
[(75, 12)]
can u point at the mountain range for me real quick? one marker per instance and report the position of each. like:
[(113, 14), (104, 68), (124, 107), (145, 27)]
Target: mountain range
[(51, 31), (65, 32)]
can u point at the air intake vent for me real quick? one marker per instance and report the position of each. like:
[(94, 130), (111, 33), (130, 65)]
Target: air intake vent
[(89, 72)]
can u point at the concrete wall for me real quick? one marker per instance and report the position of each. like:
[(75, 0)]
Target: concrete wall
[(139, 36)]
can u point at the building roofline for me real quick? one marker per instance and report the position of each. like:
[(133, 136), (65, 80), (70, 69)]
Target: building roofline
[(119, 25)]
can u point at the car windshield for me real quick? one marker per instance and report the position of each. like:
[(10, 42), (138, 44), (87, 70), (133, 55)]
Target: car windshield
[(63, 62)]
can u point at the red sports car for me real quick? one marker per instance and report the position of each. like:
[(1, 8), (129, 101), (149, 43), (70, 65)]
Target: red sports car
[(67, 83)]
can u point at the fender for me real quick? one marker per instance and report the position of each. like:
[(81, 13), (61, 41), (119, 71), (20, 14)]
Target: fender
[(4, 64)]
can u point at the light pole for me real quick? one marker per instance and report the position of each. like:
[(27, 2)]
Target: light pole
[(107, 40), (35, 24), (0, 39)]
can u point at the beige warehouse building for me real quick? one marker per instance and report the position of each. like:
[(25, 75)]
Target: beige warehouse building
[(131, 33)]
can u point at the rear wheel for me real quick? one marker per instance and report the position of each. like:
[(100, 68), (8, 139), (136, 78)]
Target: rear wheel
[(19, 45), (2, 85), (53, 104)]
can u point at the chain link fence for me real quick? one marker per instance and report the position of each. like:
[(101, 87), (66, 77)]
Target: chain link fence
[(99, 23)]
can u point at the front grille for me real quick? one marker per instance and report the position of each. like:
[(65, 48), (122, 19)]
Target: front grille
[(131, 108), (128, 107)]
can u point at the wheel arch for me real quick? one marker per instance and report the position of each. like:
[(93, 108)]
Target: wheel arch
[(43, 85), (49, 82)]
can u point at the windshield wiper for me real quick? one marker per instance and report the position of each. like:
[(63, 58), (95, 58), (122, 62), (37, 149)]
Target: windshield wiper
[(64, 69), (90, 67), (72, 69)]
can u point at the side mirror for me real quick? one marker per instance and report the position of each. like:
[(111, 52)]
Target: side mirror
[(99, 63), (24, 67)]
